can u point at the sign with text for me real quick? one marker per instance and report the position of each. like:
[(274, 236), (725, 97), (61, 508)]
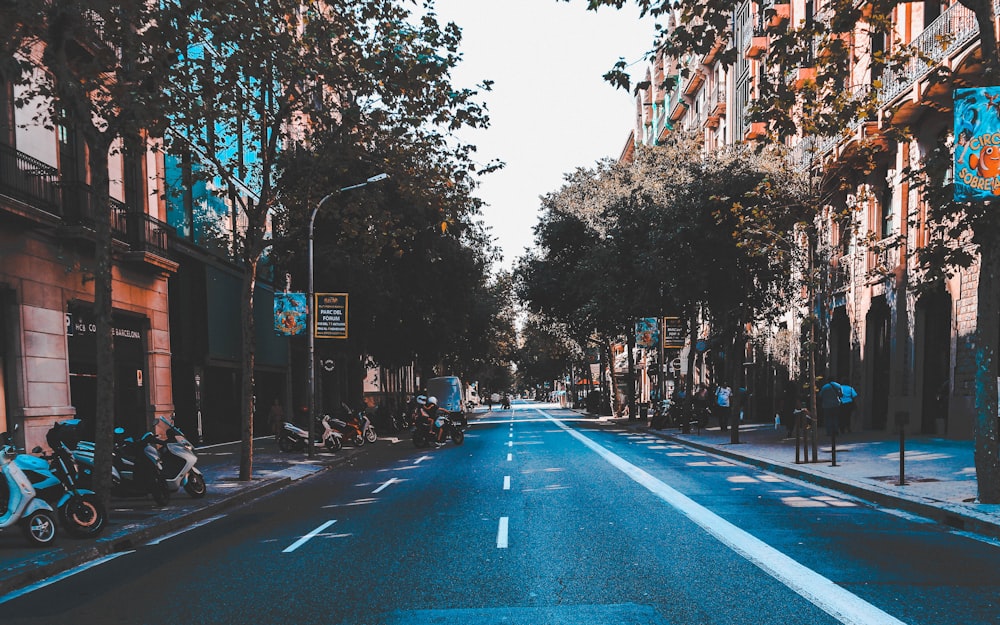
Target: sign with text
[(290, 313), (647, 332), (331, 316), (977, 144), (673, 333)]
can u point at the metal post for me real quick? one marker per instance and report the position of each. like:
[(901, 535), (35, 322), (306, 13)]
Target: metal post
[(312, 308)]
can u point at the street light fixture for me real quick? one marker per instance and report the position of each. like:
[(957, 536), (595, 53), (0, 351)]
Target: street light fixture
[(312, 305)]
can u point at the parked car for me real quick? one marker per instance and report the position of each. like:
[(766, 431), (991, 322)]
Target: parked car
[(448, 390)]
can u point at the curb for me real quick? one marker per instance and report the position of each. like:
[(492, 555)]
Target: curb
[(944, 513)]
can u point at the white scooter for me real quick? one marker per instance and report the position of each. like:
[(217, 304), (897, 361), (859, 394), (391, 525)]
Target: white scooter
[(293, 438), (36, 517), (178, 457)]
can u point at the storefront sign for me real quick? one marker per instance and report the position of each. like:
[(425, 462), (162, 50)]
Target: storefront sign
[(331, 316), (977, 144), (291, 312)]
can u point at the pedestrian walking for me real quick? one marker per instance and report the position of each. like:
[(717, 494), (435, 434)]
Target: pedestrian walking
[(723, 398), (276, 416), (829, 406), (848, 402)]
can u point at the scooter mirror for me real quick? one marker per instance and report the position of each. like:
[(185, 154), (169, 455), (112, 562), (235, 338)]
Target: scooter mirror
[(36, 450), (119, 430)]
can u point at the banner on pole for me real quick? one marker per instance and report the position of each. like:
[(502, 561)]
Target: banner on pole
[(290, 313), (647, 332), (977, 144)]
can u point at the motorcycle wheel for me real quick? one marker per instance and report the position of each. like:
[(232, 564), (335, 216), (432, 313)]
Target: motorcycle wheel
[(419, 441), (160, 492), (333, 443), (370, 435), (195, 485), (359, 440), (284, 444), (84, 516), (458, 437), (39, 528)]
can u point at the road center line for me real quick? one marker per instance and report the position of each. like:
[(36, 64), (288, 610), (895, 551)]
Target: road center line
[(421, 459), (502, 533), (510, 457), (298, 543), (836, 601), (381, 488), (506, 482)]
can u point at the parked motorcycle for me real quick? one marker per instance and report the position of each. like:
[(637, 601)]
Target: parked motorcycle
[(56, 480), (179, 458), (367, 429), (424, 435), (19, 502), (350, 426), (294, 438), (136, 469)]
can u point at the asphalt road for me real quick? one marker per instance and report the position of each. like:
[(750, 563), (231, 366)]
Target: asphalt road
[(540, 518)]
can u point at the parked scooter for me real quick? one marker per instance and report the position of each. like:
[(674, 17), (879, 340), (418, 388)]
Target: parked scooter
[(294, 438), (350, 426), (56, 480), (179, 458), (19, 503), (136, 469)]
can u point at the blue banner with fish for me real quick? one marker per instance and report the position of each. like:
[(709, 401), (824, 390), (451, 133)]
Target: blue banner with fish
[(977, 144)]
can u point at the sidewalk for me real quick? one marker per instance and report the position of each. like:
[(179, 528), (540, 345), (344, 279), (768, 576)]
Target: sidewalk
[(940, 475), (134, 522)]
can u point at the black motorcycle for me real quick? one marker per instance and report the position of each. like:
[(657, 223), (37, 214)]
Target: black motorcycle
[(136, 469), (424, 435)]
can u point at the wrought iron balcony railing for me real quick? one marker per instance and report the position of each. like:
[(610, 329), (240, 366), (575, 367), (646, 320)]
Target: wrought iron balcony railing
[(28, 180), (36, 184)]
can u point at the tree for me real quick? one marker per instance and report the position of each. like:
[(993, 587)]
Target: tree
[(257, 80), (844, 93), (101, 60)]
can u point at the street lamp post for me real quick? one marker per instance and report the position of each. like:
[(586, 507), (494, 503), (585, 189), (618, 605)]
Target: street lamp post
[(312, 306)]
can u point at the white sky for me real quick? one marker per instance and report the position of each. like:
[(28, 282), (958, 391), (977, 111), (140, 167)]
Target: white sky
[(551, 111)]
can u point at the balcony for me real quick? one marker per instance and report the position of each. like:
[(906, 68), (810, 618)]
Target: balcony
[(39, 196), (775, 13), (29, 181), (756, 47), (942, 39), (679, 110), (755, 130), (716, 105)]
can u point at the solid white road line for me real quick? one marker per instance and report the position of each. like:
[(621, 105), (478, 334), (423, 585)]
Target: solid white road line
[(381, 488), (61, 576), (836, 601), (502, 533), (298, 543), (506, 482), (186, 529)]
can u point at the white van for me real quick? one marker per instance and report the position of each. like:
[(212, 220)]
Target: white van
[(448, 391)]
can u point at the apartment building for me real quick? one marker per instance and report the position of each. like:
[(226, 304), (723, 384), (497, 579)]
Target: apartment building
[(47, 216), (909, 352)]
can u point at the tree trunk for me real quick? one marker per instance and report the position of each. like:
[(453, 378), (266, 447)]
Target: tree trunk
[(249, 354), (987, 452), (630, 383), (104, 422), (613, 391)]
